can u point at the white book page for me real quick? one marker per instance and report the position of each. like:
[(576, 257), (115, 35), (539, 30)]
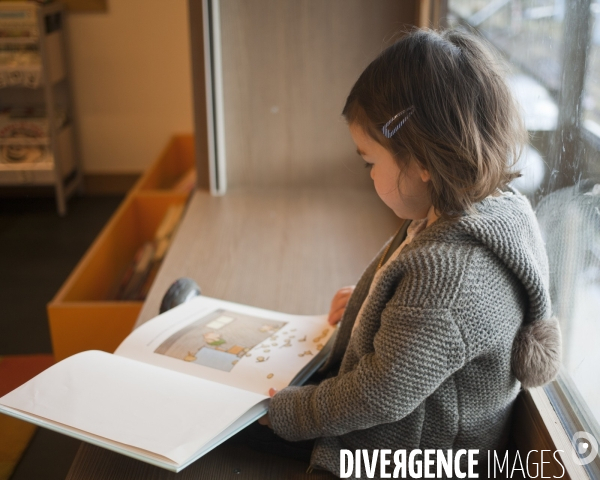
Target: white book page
[(229, 343), (133, 452), (152, 409)]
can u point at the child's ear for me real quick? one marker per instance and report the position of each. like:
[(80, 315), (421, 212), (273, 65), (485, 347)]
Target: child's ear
[(423, 173)]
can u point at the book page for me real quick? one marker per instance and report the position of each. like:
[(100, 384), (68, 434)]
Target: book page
[(229, 343), (151, 409)]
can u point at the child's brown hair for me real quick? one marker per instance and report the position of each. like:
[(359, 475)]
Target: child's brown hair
[(464, 127)]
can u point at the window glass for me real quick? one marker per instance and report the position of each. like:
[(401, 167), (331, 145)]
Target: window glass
[(553, 51)]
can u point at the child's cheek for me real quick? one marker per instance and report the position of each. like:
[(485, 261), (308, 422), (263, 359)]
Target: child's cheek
[(388, 192)]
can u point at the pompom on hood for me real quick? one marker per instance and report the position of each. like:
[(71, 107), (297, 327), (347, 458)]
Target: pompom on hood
[(514, 237)]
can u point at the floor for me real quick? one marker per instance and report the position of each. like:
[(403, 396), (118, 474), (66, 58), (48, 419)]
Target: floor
[(38, 250)]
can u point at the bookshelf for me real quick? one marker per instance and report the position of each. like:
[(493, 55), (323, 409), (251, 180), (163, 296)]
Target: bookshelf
[(84, 314), (37, 132)]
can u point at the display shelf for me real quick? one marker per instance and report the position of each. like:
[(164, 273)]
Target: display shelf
[(25, 142), (41, 171), (82, 315), (34, 74), (31, 73), (55, 59), (19, 40), (29, 76)]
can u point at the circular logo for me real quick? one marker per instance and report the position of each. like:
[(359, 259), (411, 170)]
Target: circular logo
[(586, 448)]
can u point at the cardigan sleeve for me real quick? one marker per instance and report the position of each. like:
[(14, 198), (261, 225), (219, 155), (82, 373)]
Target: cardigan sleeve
[(414, 351)]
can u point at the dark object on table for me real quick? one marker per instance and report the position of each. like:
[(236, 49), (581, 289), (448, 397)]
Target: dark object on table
[(181, 290)]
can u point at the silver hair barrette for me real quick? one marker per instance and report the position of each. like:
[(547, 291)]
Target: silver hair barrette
[(407, 112)]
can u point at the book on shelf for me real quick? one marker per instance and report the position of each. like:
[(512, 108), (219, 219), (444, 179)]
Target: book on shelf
[(180, 384)]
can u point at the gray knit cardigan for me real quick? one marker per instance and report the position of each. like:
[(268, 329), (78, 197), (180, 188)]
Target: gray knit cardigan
[(459, 320)]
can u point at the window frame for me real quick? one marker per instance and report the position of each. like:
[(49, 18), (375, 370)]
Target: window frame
[(573, 413), (537, 427)]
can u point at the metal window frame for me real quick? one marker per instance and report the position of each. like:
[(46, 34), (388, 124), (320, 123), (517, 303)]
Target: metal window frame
[(574, 414), (214, 96)]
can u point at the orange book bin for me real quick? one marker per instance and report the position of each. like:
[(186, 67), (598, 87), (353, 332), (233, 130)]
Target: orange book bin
[(81, 315), (175, 161)]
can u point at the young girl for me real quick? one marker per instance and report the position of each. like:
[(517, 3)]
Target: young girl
[(453, 315)]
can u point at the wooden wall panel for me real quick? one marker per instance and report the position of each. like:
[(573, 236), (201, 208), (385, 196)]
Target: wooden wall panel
[(288, 66)]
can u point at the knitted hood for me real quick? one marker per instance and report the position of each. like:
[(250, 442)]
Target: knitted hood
[(507, 226)]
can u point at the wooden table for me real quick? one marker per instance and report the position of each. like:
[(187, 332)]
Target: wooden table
[(287, 250)]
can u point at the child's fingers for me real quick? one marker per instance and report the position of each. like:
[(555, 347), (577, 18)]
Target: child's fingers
[(340, 299), (349, 288), (341, 303), (335, 317), (265, 420), (338, 304), (344, 291)]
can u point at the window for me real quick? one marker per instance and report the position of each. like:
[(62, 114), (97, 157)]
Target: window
[(553, 51)]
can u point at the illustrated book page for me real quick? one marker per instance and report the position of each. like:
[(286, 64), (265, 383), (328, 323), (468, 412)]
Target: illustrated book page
[(229, 343)]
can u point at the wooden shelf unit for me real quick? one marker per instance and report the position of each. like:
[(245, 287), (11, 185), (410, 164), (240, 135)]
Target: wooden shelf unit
[(81, 316)]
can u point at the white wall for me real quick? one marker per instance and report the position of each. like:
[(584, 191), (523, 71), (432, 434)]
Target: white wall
[(132, 81)]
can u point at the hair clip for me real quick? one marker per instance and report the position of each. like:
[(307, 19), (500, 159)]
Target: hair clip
[(407, 112)]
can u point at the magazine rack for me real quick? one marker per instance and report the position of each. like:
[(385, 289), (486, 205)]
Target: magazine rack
[(37, 132)]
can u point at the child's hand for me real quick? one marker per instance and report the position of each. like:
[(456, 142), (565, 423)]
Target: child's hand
[(338, 304), (265, 420)]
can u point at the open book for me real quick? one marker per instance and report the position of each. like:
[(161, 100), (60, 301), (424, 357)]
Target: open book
[(180, 384)]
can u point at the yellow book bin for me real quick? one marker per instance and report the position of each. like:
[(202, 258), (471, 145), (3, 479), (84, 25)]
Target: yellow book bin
[(82, 316)]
